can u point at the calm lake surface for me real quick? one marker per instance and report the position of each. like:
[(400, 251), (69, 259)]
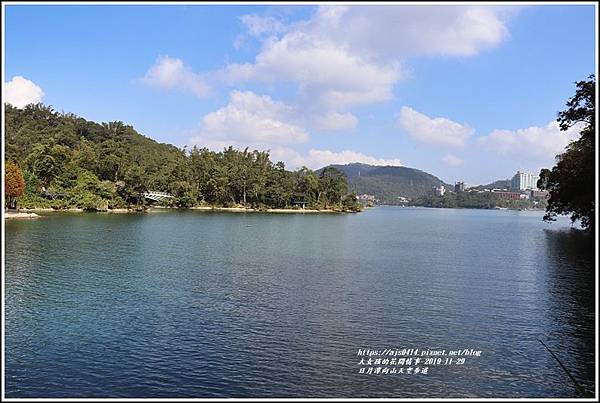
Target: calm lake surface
[(200, 304)]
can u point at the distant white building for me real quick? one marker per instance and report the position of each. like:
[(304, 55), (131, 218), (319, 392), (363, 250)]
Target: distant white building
[(439, 191), (524, 181), (538, 194), (365, 198)]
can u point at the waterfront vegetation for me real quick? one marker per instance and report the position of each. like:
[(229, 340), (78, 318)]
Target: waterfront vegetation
[(478, 199), (572, 181), (69, 162)]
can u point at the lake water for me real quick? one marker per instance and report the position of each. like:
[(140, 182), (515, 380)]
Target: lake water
[(197, 304)]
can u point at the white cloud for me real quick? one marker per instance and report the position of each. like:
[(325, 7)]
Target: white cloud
[(438, 131), (259, 122), (452, 160), (540, 143), (320, 158), (316, 159), (171, 73), (259, 25), (250, 119), (407, 30), (344, 56), (333, 121), (20, 92), (326, 75)]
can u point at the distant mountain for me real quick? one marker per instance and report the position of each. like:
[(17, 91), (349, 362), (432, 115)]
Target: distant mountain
[(387, 183), (499, 184)]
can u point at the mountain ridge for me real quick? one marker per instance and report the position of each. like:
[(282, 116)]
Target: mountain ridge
[(387, 182)]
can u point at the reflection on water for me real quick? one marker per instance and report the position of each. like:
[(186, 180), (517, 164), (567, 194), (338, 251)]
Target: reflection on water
[(193, 304), (570, 287)]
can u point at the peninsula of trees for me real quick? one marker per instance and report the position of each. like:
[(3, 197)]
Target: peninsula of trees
[(68, 162)]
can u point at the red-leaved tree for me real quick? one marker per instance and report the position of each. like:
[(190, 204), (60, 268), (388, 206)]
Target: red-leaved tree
[(14, 184)]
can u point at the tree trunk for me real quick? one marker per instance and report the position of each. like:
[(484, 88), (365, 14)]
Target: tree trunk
[(244, 193)]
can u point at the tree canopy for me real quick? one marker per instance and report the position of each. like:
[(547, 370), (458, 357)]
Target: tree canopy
[(571, 182), (109, 165)]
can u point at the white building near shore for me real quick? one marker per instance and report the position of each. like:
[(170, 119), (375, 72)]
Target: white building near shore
[(524, 181), (439, 191)]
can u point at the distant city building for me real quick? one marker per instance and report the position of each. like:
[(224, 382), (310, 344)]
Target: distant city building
[(402, 199), (510, 195), (538, 194), (365, 198), (439, 191), (459, 187), (524, 181)]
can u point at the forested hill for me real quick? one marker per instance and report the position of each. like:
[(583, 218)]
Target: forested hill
[(47, 143), (387, 183), (499, 184), (109, 165)]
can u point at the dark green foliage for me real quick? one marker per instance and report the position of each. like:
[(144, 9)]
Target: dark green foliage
[(332, 186), (100, 166), (499, 184), (463, 200), (351, 203), (481, 200), (571, 182)]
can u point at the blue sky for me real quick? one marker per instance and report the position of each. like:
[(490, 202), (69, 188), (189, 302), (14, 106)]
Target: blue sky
[(464, 92)]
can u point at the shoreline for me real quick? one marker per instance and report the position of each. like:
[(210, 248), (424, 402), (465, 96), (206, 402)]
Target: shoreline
[(31, 212), (465, 208), (9, 215), (27, 213), (253, 210)]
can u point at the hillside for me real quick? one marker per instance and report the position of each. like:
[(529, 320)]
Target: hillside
[(499, 184), (387, 183), (66, 161)]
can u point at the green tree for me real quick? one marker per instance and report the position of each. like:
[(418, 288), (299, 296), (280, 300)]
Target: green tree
[(332, 186), (279, 186), (306, 189), (571, 182), (14, 184), (351, 203), (47, 161)]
